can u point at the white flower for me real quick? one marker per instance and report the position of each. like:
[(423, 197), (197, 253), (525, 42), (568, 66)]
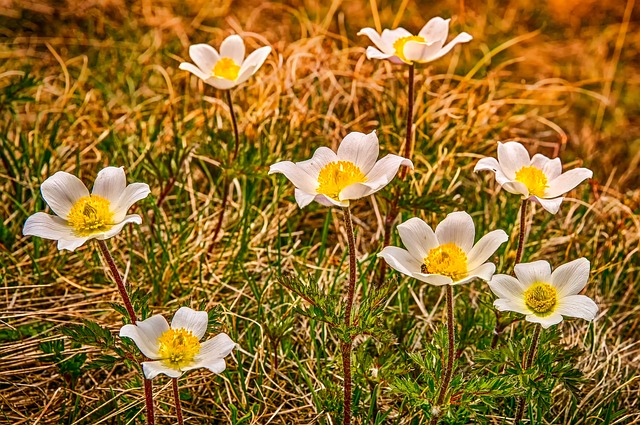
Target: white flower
[(446, 256), (544, 296), (177, 349), (539, 178), (227, 69), (400, 46), (82, 216), (335, 179)]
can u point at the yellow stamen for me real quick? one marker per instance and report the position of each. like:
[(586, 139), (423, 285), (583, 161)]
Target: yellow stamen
[(90, 215), (541, 298), (226, 68), (335, 176), (534, 179), (446, 260), (399, 44), (178, 348)]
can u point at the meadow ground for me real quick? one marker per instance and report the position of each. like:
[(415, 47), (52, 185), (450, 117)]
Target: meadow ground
[(94, 83)]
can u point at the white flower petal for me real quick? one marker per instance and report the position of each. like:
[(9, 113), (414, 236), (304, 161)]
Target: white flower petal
[(530, 273), (320, 159), (435, 31), (457, 228), (254, 61), (400, 260), (551, 205), (540, 161), (567, 181), (418, 237), (377, 40), (303, 198), (503, 304), (416, 51), (61, 191), (296, 174), (330, 202), (218, 347), (221, 83), (577, 306), (486, 247), (487, 163), (233, 47), (507, 287), (391, 36), (205, 57), (515, 187), (71, 244), (191, 320), (186, 66), (484, 272), (433, 279), (373, 53), (460, 38), (153, 369), (117, 228), (47, 226), (110, 183), (355, 191), (384, 171), (512, 156), (129, 196), (360, 149), (552, 169), (571, 278), (546, 321), (145, 334)]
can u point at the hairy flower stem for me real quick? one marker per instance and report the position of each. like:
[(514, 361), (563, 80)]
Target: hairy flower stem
[(528, 362), (235, 127), (523, 230), (394, 210), (346, 346), (148, 390), (176, 398), (448, 371)]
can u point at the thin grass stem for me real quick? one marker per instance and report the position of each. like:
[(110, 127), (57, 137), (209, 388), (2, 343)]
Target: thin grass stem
[(235, 127)]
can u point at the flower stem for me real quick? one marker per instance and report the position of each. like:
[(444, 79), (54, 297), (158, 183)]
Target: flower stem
[(408, 149), (523, 230), (346, 346), (528, 362), (448, 371), (235, 126), (176, 397), (148, 390)]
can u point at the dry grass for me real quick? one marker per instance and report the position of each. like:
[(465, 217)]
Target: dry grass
[(109, 92)]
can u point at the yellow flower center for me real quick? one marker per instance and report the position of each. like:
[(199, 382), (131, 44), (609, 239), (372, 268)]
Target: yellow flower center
[(399, 44), (226, 68), (446, 260), (541, 298), (335, 176), (534, 179), (90, 214), (178, 347)]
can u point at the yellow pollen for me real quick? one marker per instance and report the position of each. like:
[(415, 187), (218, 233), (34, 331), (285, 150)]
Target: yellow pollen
[(90, 215), (399, 44), (541, 298), (335, 176), (534, 179), (446, 260), (178, 348), (226, 68)]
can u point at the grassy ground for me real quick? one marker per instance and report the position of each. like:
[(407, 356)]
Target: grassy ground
[(89, 84)]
